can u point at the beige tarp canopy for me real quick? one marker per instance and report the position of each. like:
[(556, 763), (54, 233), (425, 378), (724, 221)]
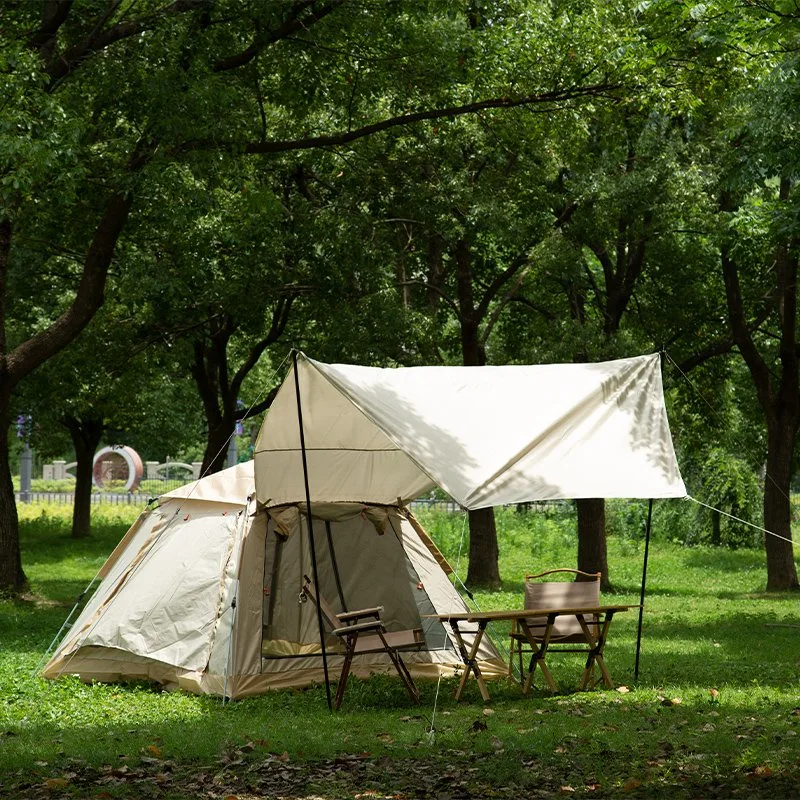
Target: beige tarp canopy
[(486, 435)]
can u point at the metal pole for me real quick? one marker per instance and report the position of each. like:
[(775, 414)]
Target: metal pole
[(233, 454), (642, 590), (311, 531), (25, 473)]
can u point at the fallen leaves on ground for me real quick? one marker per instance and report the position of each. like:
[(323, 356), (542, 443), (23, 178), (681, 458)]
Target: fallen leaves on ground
[(360, 776), (670, 701)]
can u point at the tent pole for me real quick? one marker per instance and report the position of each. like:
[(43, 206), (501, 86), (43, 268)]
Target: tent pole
[(644, 583), (310, 524)]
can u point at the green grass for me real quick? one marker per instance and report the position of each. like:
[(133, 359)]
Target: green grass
[(708, 625)]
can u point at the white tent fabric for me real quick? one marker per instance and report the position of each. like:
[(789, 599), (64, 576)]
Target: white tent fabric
[(231, 485), (164, 608), (488, 436)]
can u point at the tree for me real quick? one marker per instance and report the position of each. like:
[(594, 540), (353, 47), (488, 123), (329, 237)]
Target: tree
[(125, 396), (110, 95), (622, 198), (759, 240)]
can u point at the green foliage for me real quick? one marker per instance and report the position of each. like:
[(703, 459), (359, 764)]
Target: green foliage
[(731, 485)]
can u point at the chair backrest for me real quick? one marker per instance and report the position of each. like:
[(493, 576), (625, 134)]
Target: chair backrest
[(327, 609), (561, 594)]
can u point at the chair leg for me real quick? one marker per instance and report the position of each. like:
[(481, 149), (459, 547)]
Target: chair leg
[(402, 670), (348, 660)]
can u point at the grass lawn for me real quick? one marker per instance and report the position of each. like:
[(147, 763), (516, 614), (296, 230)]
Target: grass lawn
[(716, 712)]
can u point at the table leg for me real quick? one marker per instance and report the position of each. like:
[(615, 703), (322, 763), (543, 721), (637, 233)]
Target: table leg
[(469, 659), (539, 652), (596, 647)]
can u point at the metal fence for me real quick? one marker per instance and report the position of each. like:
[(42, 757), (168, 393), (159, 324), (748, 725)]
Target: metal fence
[(98, 498), (143, 498)]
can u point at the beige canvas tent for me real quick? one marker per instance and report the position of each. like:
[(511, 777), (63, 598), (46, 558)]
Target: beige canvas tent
[(486, 435), (203, 593)]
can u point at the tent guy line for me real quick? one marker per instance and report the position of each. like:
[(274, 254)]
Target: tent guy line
[(719, 419), (739, 519)]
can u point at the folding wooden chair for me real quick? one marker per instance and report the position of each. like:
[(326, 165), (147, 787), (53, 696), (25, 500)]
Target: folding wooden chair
[(363, 631), (540, 635)]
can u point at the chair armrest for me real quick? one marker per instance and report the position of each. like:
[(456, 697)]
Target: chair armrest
[(363, 612), (359, 627)]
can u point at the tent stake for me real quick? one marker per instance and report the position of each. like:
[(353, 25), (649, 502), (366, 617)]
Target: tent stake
[(310, 524), (644, 583)]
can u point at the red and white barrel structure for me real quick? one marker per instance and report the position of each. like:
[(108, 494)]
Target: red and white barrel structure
[(115, 464)]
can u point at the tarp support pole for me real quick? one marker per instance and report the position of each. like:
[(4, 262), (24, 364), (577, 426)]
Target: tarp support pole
[(642, 590), (311, 531)]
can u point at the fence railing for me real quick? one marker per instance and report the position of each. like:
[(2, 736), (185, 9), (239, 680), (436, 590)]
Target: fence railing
[(143, 498), (98, 498)]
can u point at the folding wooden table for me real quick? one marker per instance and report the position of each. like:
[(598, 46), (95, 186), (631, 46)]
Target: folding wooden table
[(596, 642)]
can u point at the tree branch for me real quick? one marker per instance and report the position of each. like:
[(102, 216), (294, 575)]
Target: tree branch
[(54, 14), (258, 408), (742, 335), (437, 290), (293, 24), (280, 317), (88, 299), (526, 301), (507, 298), (61, 65), (501, 280), (345, 137)]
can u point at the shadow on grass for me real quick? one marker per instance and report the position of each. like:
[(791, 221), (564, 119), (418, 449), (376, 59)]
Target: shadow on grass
[(723, 559)]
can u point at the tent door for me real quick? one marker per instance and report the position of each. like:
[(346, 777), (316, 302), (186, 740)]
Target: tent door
[(270, 583), (335, 565)]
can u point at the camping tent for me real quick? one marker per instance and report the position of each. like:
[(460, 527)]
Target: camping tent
[(349, 446), (164, 609)]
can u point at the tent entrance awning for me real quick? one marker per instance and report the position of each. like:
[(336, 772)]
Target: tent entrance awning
[(486, 435)]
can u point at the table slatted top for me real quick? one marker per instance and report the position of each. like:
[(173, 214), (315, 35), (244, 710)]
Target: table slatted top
[(522, 613)]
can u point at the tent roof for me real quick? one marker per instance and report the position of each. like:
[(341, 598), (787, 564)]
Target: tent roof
[(232, 486), (486, 435)]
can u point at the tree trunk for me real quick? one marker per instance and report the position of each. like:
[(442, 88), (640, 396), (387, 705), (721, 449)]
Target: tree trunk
[(781, 572), (12, 578), (86, 435), (483, 569), (716, 528), (778, 394), (217, 445), (592, 554), (592, 544)]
